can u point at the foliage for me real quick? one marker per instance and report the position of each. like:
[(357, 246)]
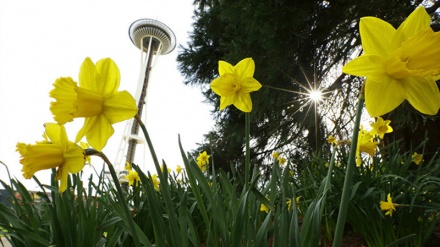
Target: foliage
[(50, 218), (195, 208)]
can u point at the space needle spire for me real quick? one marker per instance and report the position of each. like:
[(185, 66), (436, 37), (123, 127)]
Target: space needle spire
[(154, 39)]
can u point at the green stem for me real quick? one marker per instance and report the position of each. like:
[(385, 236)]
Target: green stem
[(120, 193), (150, 146), (247, 161), (346, 190), (164, 187), (329, 172)]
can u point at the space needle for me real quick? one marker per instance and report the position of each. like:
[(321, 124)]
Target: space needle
[(153, 38)]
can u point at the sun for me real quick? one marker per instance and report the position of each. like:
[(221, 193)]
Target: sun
[(315, 95)]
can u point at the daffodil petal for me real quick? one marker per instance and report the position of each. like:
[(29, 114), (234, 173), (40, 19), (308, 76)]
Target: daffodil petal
[(226, 101), (376, 35), (53, 132), (383, 96), (243, 102), (417, 21), (422, 94), (74, 158), (83, 131), (119, 107), (225, 68), (250, 85), (245, 68), (215, 84), (366, 65), (62, 175), (87, 75), (64, 140), (102, 131), (109, 76)]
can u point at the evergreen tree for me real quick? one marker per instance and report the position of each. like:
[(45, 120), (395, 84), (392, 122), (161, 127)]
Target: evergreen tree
[(297, 45)]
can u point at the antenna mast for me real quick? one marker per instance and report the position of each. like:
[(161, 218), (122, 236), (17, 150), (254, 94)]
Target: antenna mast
[(153, 38)]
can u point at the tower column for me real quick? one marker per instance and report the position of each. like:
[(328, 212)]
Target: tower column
[(153, 38)]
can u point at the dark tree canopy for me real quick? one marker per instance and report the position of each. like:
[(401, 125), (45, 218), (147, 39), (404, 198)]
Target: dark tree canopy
[(294, 43)]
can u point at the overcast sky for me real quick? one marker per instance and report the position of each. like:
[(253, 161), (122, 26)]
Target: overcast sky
[(43, 40)]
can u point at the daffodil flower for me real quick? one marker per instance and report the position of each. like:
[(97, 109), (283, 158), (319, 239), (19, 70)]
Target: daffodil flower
[(127, 166), (203, 160), (155, 181), (365, 144), (388, 206), (178, 169), (332, 140), (400, 64), (417, 158), (381, 127), (96, 99), (263, 208), (289, 202), (235, 84), (282, 160), (133, 178), (56, 151), (275, 155)]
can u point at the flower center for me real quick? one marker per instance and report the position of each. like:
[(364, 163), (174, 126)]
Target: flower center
[(396, 66), (89, 103), (236, 86), (383, 129)]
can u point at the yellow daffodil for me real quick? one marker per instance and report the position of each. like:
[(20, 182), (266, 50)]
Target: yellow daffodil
[(332, 140), (178, 169), (127, 166), (388, 205), (264, 208), (381, 127), (275, 155), (282, 160), (365, 144), (203, 160), (96, 99), (133, 177), (155, 181), (56, 151), (417, 158), (399, 64), (235, 84), (289, 202)]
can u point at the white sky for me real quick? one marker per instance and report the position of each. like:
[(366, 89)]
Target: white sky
[(43, 40)]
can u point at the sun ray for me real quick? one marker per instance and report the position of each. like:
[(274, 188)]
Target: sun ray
[(308, 95)]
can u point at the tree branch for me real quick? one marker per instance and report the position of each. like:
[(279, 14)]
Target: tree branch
[(433, 8)]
